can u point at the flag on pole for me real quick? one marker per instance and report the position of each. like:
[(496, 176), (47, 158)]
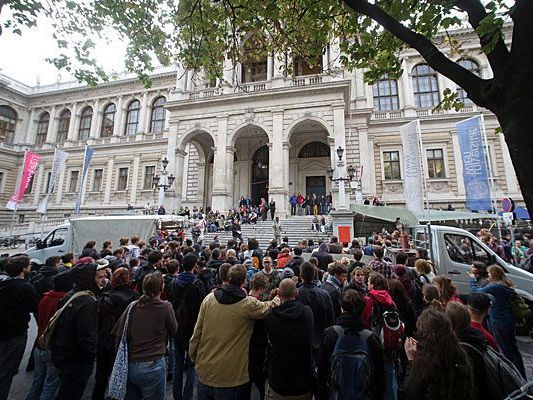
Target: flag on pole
[(60, 159), (84, 173), (475, 167), (31, 161), (413, 180)]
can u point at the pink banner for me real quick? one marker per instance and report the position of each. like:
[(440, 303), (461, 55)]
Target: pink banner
[(30, 166)]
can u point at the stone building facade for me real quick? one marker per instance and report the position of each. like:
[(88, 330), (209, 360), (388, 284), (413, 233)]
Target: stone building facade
[(256, 132)]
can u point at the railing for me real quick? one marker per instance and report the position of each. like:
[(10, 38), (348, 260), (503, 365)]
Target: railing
[(252, 87), (306, 80), (383, 115)]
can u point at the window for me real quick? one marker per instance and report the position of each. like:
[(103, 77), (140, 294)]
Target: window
[(42, 128), (85, 123), (122, 179), (132, 117), (48, 179), (391, 165), (29, 188), (63, 125), (254, 71), (157, 123), (8, 121), (465, 250), (21, 218), (425, 86), (303, 67), (149, 173), (1, 181), (314, 149), (108, 122), (73, 183), (435, 163), (473, 67), (56, 238), (385, 93), (97, 180)]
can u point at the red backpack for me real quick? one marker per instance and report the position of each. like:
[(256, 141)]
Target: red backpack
[(388, 326)]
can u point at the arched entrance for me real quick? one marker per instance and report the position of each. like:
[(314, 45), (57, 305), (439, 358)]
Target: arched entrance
[(260, 174)]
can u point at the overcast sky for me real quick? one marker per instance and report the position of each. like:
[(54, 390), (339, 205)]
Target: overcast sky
[(23, 57)]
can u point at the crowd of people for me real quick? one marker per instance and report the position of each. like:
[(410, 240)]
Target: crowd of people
[(311, 204), (224, 319)]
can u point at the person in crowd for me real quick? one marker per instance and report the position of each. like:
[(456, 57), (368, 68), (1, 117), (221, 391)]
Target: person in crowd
[(334, 285), (272, 274), (378, 264), (45, 383), (283, 258), (479, 270), (161, 210), (448, 291), (368, 250), (43, 281), (424, 270), (357, 282), (293, 201), (296, 260), (154, 261), (315, 224), (334, 246), (318, 300), (272, 207), (478, 306), (350, 324), (438, 367), (502, 321), (17, 300), (74, 342), (68, 260), (431, 298), (219, 346), (111, 305), (357, 256), (405, 307), (107, 249), (186, 295), (278, 230), (290, 361), (299, 204), (323, 256), (90, 251), (147, 347), (215, 261)]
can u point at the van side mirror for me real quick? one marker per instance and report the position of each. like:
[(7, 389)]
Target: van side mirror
[(39, 244)]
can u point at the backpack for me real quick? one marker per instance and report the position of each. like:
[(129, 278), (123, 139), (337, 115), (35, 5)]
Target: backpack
[(45, 340), (502, 376), (387, 325), (351, 367)]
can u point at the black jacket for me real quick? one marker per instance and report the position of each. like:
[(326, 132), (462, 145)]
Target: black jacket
[(140, 274), (334, 293), (76, 332), (324, 259), (90, 252), (352, 324), (186, 295), (17, 300), (44, 280), (320, 303), (215, 264), (475, 338), (295, 264), (290, 360)]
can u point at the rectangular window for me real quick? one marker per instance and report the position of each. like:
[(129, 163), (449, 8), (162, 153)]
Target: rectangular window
[(73, 183), (1, 181), (48, 179), (385, 93), (149, 173), (30, 185), (435, 163), (97, 180), (122, 179), (391, 165)]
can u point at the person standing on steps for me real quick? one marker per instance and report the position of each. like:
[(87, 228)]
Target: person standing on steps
[(277, 230), (272, 206), (292, 201)]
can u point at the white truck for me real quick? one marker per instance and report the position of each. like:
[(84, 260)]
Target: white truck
[(72, 236)]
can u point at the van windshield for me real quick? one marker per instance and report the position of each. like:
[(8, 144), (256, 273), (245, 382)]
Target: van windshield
[(463, 249)]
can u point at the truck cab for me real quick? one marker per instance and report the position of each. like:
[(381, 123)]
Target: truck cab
[(56, 243)]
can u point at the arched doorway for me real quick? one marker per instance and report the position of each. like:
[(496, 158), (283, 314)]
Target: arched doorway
[(260, 174)]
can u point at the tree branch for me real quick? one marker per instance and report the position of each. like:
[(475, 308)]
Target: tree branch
[(499, 57), (433, 56)]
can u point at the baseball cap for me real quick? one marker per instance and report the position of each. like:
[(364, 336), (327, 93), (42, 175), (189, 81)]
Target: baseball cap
[(102, 263), (479, 301)]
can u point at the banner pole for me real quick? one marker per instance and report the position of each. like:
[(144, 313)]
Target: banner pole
[(491, 176)]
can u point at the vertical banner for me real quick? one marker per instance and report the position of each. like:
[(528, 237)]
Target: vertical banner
[(60, 159), (84, 173), (475, 168), (413, 180), (31, 161)]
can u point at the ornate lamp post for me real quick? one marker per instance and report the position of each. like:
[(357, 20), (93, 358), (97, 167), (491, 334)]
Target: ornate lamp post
[(340, 178), (164, 181)]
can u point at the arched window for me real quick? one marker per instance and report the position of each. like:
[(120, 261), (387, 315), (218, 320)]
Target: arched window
[(42, 128), (8, 122), (132, 117), (85, 123), (425, 86), (157, 122), (314, 149), (473, 67), (108, 123), (62, 126), (385, 93)]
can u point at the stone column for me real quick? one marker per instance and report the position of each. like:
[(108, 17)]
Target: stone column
[(109, 180), (364, 157), (270, 67), (178, 182), (278, 73), (278, 163), (143, 118), (230, 156), (405, 91), (52, 127), (32, 128), (339, 133), (135, 178), (96, 120), (118, 129), (74, 122), (334, 58), (200, 191), (220, 184)]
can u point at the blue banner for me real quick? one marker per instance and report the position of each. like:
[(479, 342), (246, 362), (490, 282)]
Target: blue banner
[(84, 173), (475, 168)]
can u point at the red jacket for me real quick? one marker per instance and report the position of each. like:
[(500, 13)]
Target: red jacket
[(46, 309), (380, 295), (282, 260), (300, 199)]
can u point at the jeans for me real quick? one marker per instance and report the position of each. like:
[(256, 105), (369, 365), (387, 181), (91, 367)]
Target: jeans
[(222, 393), (45, 379), (182, 363), (505, 336), (146, 380), (391, 390), (293, 209), (11, 353), (74, 378)]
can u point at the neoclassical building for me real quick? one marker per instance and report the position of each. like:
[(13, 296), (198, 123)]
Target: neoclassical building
[(256, 132)]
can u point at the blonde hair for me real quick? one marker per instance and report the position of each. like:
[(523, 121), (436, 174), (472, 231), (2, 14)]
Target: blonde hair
[(422, 266), (498, 275), (345, 261)]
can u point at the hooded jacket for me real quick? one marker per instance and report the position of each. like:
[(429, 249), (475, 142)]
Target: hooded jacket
[(221, 338), (76, 332), (323, 257), (290, 348), (381, 296), (501, 311), (333, 287), (475, 338), (43, 281), (17, 300)]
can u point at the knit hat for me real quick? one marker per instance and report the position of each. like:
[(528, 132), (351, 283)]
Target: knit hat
[(479, 301)]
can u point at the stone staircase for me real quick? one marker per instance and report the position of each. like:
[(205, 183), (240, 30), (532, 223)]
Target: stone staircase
[(295, 228)]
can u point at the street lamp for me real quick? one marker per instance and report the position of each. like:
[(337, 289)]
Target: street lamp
[(164, 181), (352, 173)]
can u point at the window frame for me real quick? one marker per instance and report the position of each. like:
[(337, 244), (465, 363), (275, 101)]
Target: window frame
[(108, 127), (313, 150), (8, 124), (131, 127), (148, 185), (42, 128), (476, 70), (86, 118), (158, 115), (431, 161), (122, 186), (390, 161), (100, 180), (63, 126), (70, 181), (432, 82), (389, 98)]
